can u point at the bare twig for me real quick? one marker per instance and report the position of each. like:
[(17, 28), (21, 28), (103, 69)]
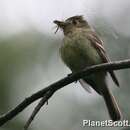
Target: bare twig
[(60, 84), (38, 107)]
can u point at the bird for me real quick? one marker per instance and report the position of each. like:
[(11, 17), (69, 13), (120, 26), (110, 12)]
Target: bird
[(82, 48)]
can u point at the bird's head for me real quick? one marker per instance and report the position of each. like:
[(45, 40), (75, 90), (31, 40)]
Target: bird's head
[(72, 23)]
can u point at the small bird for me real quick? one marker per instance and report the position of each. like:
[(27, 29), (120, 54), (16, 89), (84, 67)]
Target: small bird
[(83, 48)]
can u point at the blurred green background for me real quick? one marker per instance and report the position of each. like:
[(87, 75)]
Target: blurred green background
[(29, 60)]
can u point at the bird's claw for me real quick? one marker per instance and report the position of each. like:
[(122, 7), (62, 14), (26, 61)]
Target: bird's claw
[(70, 75)]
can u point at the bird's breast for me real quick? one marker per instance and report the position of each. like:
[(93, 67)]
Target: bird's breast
[(78, 53)]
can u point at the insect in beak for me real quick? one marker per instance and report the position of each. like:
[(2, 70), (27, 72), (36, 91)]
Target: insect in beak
[(60, 24)]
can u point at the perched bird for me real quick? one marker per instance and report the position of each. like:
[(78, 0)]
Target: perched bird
[(82, 48)]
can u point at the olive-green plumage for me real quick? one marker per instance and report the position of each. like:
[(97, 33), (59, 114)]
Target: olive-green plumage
[(82, 48), (77, 51)]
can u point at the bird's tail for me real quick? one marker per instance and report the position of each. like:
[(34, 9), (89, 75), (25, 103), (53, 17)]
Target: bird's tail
[(112, 105)]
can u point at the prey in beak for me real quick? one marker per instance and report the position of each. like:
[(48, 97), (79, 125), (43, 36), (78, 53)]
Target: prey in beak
[(60, 24)]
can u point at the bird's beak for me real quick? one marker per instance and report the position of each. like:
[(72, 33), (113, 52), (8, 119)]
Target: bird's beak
[(60, 24)]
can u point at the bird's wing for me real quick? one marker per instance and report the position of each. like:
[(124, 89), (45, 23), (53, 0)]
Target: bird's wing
[(98, 44)]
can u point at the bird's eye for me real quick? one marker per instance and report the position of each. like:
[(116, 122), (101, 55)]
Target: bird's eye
[(75, 22)]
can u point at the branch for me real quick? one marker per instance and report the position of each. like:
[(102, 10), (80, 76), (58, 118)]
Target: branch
[(60, 84), (38, 107)]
